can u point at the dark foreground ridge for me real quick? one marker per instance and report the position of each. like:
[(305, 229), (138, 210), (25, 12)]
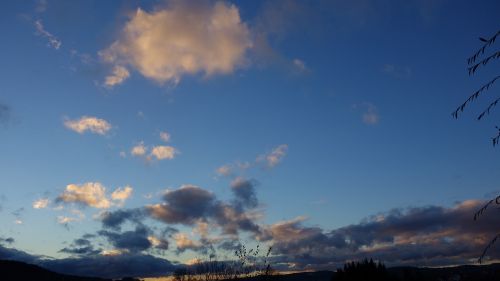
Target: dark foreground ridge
[(20, 271)]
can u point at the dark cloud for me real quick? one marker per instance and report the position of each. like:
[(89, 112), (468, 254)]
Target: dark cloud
[(190, 204), (138, 265), (81, 247), (244, 192), (8, 240), (117, 218), (184, 205), (133, 241), (414, 236)]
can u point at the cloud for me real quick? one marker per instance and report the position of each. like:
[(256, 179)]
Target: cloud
[(41, 6), (116, 266), (41, 203), (118, 75), (80, 247), (8, 240), (132, 241), (162, 152), (139, 149), (164, 136), (224, 170), (183, 243), (184, 205), (112, 266), (116, 218), (300, 66), (122, 194), (185, 37), (370, 115), (93, 194), (189, 204), (414, 236), (18, 214), (52, 40), (158, 243), (88, 123), (273, 158), (244, 191), (159, 152)]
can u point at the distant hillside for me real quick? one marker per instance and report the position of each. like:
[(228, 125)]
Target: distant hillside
[(20, 271), (459, 273)]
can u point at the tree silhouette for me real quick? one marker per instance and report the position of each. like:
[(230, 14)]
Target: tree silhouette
[(474, 64), (362, 271)]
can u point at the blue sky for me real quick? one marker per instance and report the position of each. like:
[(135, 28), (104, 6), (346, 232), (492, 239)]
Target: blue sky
[(328, 114)]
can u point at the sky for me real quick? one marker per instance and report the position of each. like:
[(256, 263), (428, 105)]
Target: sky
[(153, 133)]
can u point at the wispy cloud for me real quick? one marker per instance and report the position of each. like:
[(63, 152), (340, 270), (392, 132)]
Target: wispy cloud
[(41, 203), (369, 115), (117, 76), (52, 40), (185, 37), (164, 136), (273, 158), (88, 124)]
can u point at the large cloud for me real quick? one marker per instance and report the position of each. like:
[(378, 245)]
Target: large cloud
[(414, 236), (185, 37), (184, 205), (191, 204)]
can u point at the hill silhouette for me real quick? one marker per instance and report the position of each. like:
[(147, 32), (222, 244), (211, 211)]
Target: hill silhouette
[(20, 271)]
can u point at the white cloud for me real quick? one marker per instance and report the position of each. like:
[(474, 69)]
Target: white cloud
[(53, 41), (88, 123), (91, 194), (139, 149), (162, 152), (118, 75), (122, 194), (183, 38), (275, 156), (164, 136), (41, 203)]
